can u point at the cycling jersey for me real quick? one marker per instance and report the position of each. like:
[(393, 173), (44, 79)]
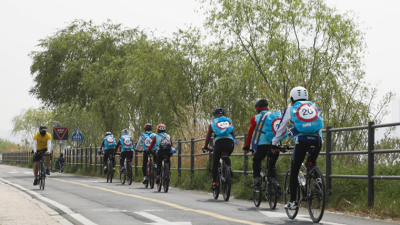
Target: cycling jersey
[(42, 142), (146, 138), (253, 125), (109, 142), (126, 142), (295, 135)]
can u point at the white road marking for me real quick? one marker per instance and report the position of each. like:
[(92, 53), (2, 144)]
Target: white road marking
[(67, 210), (160, 221), (12, 172), (271, 214)]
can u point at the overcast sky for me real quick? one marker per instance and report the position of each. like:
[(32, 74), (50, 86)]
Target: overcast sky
[(24, 22)]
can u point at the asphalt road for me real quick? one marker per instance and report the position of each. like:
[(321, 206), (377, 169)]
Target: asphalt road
[(87, 200)]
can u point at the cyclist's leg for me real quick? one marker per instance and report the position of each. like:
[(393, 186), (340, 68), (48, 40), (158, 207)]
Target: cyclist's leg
[(258, 157), (144, 166), (36, 160), (129, 155), (122, 158), (299, 154), (105, 158), (216, 156), (272, 163), (314, 155)]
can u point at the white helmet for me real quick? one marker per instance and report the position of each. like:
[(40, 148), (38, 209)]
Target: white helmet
[(298, 93), (124, 131)]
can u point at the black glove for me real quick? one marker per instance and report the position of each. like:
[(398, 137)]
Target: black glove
[(246, 148)]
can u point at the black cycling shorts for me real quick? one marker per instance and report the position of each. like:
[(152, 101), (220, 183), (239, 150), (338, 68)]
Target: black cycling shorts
[(37, 157)]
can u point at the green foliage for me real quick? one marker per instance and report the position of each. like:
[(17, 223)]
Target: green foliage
[(8, 146)]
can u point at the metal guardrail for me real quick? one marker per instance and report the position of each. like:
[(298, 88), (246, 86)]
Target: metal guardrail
[(84, 156)]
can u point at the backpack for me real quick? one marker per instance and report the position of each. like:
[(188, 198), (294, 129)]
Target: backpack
[(306, 117), (222, 125), (272, 124), (165, 143)]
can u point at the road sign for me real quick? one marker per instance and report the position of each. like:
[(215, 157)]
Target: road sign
[(60, 133), (77, 136)]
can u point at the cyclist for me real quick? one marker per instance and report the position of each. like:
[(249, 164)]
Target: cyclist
[(265, 131), (127, 147), (61, 162), (146, 138), (305, 132), (41, 142), (108, 146), (163, 143), (222, 128)]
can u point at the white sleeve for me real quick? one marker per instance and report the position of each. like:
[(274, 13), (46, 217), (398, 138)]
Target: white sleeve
[(34, 146), (48, 146), (282, 126), (138, 143)]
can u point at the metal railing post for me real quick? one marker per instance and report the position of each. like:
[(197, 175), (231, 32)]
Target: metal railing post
[(191, 159), (179, 158), (101, 161), (91, 155), (371, 142), (81, 157), (95, 159), (86, 157), (246, 158), (328, 146)]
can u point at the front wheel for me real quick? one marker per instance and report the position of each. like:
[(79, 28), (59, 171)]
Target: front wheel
[(315, 194), (122, 177), (286, 195), (272, 193), (257, 193), (166, 177), (226, 184)]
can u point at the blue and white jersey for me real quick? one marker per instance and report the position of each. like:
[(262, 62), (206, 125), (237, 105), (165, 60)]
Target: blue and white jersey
[(126, 143), (222, 127), (263, 138), (109, 142), (305, 116)]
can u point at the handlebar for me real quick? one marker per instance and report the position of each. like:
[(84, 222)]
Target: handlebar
[(284, 148), (210, 149)]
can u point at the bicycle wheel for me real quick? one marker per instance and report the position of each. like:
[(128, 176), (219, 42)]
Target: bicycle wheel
[(216, 189), (122, 177), (129, 173), (226, 185), (148, 169), (43, 180), (315, 194), (272, 193), (152, 173), (161, 180), (286, 195), (166, 177), (257, 193)]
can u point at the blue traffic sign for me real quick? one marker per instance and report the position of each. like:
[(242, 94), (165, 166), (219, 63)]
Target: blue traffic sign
[(77, 136)]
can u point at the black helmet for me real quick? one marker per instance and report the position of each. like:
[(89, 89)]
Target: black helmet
[(261, 105), (107, 133), (219, 112), (42, 130)]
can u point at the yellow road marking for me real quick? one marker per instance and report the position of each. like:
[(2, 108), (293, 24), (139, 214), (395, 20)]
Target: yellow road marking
[(11, 169), (165, 203)]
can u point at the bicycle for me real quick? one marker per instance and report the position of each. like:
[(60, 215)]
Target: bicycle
[(312, 190), (223, 176), (110, 166), (126, 175), (151, 170), (272, 193), (42, 171), (61, 167), (164, 174)]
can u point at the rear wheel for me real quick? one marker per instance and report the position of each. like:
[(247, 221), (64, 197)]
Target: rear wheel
[(43, 177), (166, 177), (152, 175), (272, 193), (286, 195), (316, 194), (122, 177), (226, 185), (129, 173), (257, 193), (216, 189)]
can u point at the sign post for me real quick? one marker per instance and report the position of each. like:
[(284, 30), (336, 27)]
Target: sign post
[(60, 134)]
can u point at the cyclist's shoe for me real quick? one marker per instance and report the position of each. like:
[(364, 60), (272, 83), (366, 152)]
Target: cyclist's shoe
[(105, 169), (47, 171), (35, 182), (158, 179), (291, 205), (257, 183), (230, 170), (214, 186), (113, 169), (144, 180)]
